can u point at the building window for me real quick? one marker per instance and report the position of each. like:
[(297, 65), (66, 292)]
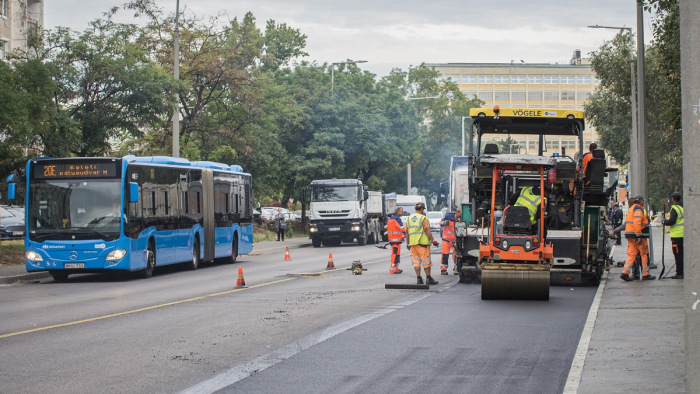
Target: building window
[(452, 78), (517, 96), (485, 79), (4, 12), (534, 79), (534, 96), (551, 79), (517, 79), (551, 96), (471, 79), (3, 49), (551, 146), (502, 97), (583, 96), (502, 79), (469, 94), (486, 96), (438, 79), (567, 79), (583, 79), (567, 96), (596, 81), (569, 145)]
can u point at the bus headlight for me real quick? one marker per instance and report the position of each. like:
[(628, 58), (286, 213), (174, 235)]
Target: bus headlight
[(116, 254), (528, 245), (33, 256), (505, 244)]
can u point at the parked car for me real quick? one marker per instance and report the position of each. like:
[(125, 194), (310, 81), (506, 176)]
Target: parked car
[(11, 224), (434, 217), (270, 213)]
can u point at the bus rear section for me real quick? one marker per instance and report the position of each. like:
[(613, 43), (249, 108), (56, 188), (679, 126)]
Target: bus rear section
[(133, 214)]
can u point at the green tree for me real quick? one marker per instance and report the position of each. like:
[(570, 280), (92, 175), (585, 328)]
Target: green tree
[(107, 87), (440, 135), (609, 108)]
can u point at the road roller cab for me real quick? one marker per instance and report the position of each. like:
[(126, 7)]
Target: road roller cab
[(515, 258)]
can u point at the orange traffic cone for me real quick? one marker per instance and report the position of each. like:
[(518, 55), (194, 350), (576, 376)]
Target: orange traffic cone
[(287, 257), (240, 282), (330, 265)]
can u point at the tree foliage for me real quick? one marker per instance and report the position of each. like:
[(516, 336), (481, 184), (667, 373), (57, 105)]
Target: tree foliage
[(609, 107), (243, 94)]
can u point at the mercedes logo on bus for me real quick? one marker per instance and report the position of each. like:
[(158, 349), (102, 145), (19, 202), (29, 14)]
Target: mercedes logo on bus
[(73, 255)]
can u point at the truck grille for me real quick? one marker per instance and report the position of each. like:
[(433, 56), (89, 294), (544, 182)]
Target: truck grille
[(331, 214)]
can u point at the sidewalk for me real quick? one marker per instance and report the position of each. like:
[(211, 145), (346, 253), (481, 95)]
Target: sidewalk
[(637, 341), (12, 273)]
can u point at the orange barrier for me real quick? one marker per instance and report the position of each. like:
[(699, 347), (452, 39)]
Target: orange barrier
[(287, 257), (330, 265)]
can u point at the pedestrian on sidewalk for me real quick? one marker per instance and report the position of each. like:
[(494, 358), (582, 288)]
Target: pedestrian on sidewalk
[(616, 220), (280, 225), (675, 220), (447, 233), (419, 240), (396, 232), (637, 234)]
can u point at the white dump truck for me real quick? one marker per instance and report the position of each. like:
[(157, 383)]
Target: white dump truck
[(343, 210)]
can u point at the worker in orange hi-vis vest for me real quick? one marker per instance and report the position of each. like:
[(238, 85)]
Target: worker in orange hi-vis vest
[(447, 232), (637, 234), (396, 232)]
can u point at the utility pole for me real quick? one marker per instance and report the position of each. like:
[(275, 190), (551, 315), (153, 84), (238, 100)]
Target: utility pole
[(690, 105), (176, 74), (641, 102)]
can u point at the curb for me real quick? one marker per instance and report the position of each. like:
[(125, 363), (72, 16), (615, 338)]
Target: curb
[(5, 280)]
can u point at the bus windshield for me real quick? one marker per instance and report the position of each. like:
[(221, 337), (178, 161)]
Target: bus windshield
[(335, 193), (74, 209)]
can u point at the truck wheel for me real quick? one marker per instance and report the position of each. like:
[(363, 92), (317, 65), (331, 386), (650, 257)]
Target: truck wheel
[(316, 242), (362, 241)]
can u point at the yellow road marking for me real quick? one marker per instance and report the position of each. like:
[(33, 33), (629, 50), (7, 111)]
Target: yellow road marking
[(148, 308)]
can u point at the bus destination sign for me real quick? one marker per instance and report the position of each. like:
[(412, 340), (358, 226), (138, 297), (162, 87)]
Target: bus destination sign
[(58, 170)]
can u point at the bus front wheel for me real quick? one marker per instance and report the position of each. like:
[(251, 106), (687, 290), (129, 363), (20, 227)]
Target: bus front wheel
[(150, 261), (59, 276)]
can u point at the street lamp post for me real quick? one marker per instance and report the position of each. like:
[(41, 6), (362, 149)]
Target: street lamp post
[(634, 173), (346, 62), (176, 74)]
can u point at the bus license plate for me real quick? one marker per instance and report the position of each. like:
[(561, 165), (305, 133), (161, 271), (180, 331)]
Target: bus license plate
[(333, 228), (75, 265)]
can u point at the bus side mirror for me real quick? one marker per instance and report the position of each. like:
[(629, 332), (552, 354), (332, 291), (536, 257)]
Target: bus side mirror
[(133, 192), (11, 187)]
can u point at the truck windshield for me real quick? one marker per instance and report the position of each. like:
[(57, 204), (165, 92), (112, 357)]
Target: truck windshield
[(80, 209), (335, 193)]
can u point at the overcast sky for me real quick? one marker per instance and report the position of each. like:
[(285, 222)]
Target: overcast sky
[(400, 33)]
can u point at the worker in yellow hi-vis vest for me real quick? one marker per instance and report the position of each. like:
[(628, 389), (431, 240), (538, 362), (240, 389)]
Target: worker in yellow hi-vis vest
[(675, 220), (419, 240)]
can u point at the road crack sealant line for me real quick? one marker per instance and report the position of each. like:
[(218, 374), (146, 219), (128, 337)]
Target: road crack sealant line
[(576, 371), (263, 362), (148, 308)]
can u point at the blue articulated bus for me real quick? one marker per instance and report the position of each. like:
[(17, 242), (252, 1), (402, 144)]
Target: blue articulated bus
[(133, 214)]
